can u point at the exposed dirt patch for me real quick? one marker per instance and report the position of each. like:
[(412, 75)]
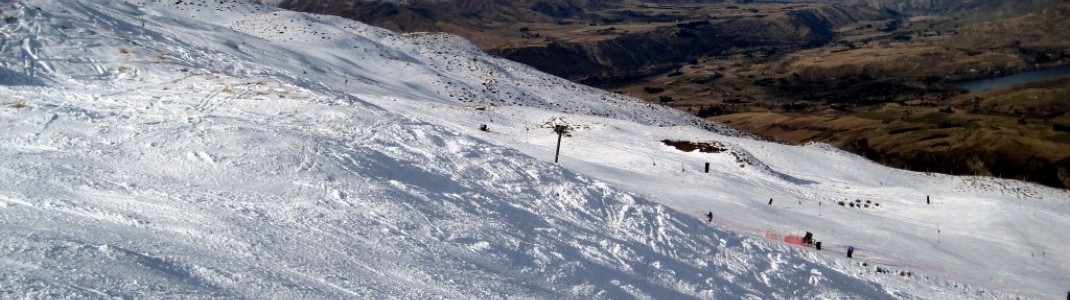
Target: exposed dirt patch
[(686, 146)]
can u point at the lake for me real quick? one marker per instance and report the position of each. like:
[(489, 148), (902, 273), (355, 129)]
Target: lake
[(981, 85)]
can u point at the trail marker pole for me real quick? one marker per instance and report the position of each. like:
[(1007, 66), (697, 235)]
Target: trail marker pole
[(937, 233), (560, 130)]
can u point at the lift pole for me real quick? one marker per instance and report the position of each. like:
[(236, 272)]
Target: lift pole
[(560, 130)]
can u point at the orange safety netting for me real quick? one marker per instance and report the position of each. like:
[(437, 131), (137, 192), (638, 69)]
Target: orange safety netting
[(772, 235), (790, 239), (794, 239)]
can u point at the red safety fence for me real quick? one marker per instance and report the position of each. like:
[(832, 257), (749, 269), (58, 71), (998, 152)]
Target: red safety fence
[(790, 239), (794, 239), (772, 236)]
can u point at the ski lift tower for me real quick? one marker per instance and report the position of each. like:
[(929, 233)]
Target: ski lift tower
[(560, 130)]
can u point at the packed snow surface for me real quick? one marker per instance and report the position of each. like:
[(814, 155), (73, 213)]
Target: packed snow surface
[(223, 149)]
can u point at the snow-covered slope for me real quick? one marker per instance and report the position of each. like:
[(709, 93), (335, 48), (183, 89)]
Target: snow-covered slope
[(221, 149)]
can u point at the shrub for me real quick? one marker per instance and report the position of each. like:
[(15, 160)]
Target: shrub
[(902, 130), (796, 106), (1060, 127), (653, 89), (711, 111)]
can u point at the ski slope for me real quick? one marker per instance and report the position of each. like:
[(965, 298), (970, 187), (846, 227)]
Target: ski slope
[(224, 149)]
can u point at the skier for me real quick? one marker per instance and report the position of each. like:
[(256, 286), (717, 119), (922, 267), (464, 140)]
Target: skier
[(770, 201), (808, 239), (927, 200), (709, 217), (850, 251)]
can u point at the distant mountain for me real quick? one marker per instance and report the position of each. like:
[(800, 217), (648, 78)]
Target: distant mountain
[(922, 7), (439, 15), (605, 41)]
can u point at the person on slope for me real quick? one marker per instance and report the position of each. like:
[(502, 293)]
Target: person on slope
[(709, 217)]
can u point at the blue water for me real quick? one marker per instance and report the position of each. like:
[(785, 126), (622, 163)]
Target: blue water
[(981, 85)]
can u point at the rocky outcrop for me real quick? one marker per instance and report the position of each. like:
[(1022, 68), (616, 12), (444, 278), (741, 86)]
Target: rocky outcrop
[(640, 54)]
